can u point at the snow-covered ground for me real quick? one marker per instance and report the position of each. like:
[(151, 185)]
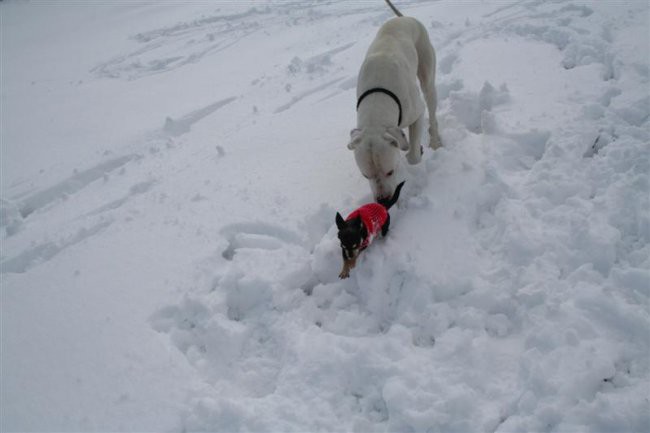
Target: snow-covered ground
[(170, 176)]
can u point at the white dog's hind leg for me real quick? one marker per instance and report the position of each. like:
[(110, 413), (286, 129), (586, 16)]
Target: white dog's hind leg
[(414, 155)]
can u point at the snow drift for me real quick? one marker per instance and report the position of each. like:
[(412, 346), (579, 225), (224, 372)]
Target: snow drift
[(170, 176)]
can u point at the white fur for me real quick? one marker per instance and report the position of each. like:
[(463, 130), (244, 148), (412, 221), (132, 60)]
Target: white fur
[(400, 53)]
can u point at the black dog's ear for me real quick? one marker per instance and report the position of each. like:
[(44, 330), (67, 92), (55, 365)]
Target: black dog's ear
[(340, 222)]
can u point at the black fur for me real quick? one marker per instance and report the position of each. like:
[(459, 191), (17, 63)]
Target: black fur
[(389, 203), (351, 234)]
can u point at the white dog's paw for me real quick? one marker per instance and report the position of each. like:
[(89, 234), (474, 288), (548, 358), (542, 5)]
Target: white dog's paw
[(415, 156), (434, 141)]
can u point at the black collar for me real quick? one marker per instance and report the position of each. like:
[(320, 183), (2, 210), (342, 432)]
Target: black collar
[(387, 92)]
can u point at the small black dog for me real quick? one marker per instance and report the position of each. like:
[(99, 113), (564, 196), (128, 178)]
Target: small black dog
[(360, 228)]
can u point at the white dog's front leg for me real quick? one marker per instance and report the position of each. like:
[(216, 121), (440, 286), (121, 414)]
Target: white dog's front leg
[(426, 75), (434, 136), (414, 155), (430, 96)]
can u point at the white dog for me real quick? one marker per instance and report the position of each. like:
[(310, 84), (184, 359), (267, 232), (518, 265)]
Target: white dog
[(389, 100)]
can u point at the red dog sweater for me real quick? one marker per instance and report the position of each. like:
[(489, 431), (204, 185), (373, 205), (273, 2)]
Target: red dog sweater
[(373, 216)]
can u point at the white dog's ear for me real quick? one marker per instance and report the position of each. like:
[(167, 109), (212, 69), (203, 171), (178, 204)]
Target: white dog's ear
[(397, 138), (355, 138)]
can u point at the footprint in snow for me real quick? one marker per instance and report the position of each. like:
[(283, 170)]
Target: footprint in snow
[(259, 236)]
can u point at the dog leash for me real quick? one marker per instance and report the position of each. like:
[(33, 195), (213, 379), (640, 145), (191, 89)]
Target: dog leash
[(387, 92)]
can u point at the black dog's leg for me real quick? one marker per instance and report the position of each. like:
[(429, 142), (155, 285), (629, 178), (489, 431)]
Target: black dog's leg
[(384, 228)]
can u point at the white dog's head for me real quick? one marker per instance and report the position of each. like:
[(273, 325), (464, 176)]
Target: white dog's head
[(377, 152)]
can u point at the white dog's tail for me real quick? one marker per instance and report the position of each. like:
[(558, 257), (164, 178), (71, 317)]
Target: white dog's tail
[(397, 12)]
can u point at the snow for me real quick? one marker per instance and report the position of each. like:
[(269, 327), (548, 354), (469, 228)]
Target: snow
[(170, 173)]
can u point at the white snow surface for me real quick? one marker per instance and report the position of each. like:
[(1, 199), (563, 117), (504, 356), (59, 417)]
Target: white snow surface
[(169, 261)]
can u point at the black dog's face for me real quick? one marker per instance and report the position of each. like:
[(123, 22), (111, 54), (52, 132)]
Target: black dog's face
[(351, 235)]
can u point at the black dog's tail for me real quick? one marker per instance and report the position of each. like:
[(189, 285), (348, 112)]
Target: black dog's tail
[(389, 203), (397, 12)]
